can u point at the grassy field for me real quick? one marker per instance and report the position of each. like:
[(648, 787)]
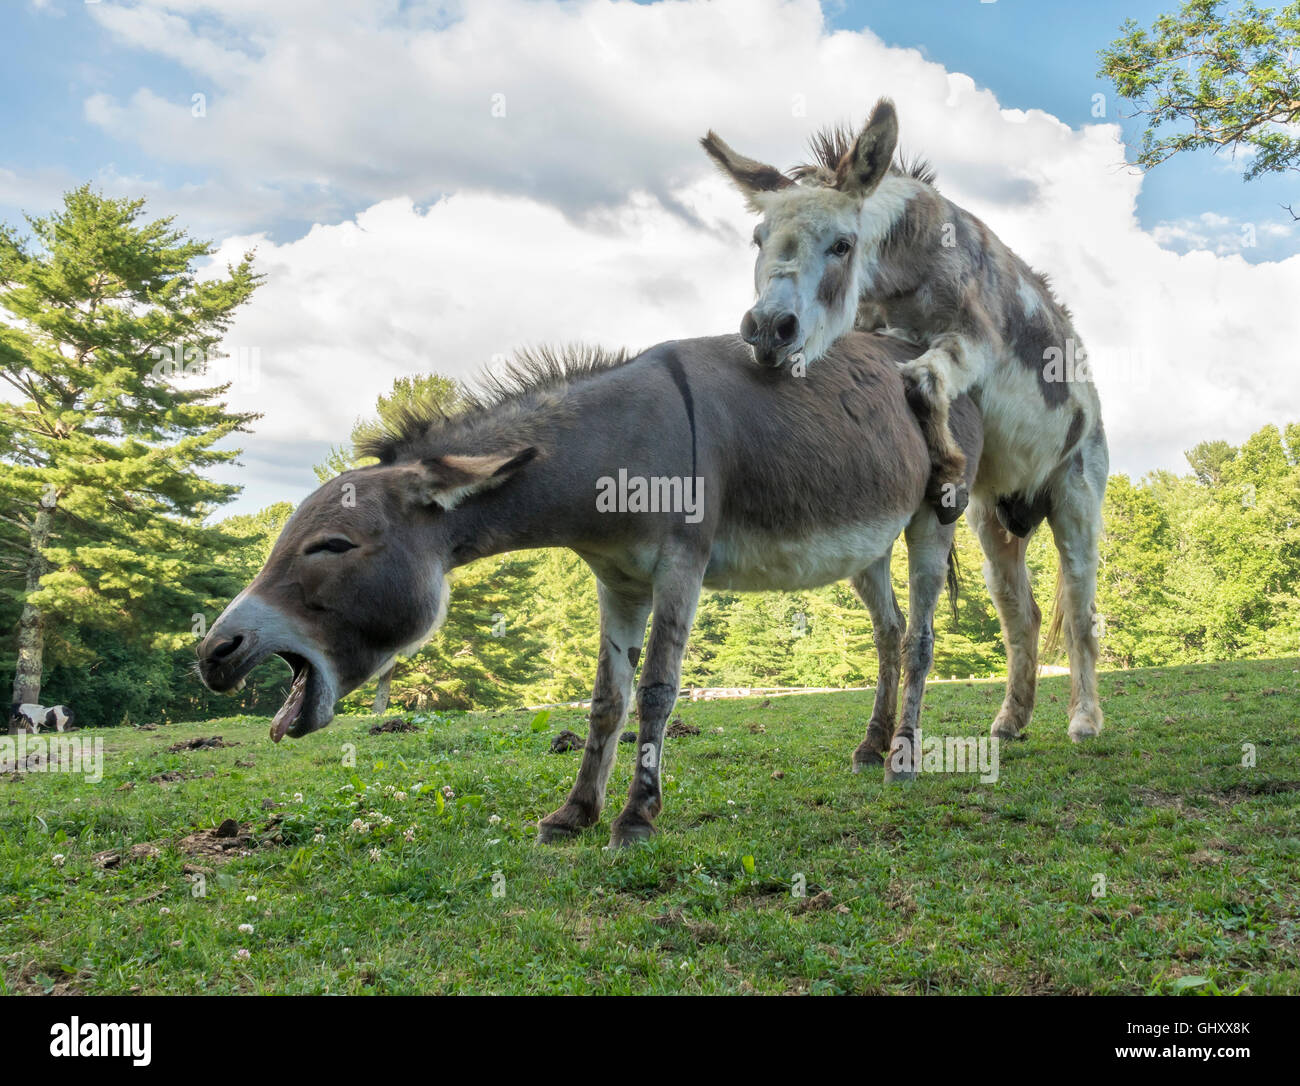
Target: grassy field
[(945, 885)]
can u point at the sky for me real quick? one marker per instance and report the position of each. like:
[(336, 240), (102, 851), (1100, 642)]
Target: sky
[(431, 185)]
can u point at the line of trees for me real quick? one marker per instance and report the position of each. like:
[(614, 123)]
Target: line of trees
[(111, 564)]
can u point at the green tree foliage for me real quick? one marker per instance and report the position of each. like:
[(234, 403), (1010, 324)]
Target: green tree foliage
[(1214, 76), (1206, 566), (106, 335)]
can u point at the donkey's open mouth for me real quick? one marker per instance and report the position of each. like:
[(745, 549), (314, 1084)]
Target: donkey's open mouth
[(309, 704)]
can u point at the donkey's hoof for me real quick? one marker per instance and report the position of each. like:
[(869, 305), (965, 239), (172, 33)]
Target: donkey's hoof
[(1084, 728), (630, 831), (1005, 728), (899, 776), (864, 758), (568, 821)]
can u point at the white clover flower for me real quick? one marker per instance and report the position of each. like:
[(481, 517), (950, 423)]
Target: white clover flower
[(359, 826), (164, 911), (447, 792), (399, 796), (409, 835), (297, 797), (245, 929), (242, 954), (375, 854), (251, 899), (57, 859), (493, 819), (318, 839)]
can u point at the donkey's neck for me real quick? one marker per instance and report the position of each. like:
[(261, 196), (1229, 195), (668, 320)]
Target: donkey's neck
[(550, 502), (901, 218)]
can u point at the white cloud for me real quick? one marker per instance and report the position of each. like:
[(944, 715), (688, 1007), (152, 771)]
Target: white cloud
[(587, 211), (1222, 235)]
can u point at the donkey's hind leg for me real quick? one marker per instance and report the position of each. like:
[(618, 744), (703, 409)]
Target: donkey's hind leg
[(876, 590), (929, 545), (622, 631), (1007, 577), (1076, 523)]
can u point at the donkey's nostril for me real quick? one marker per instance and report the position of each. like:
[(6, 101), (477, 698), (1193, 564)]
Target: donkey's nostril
[(221, 651), (785, 329), (749, 328)]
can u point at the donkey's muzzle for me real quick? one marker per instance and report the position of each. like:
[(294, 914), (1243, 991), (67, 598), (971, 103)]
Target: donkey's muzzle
[(770, 334)]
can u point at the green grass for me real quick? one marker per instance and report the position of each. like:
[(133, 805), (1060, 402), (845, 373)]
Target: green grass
[(946, 885)]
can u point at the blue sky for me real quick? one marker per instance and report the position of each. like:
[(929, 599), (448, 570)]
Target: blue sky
[(1042, 54)]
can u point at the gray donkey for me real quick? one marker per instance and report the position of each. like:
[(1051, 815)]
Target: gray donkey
[(685, 466), (854, 240)]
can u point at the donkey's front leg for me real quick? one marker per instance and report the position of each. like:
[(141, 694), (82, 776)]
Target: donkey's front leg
[(675, 598), (953, 364), (928, 546), (876, 590), (622, 632)]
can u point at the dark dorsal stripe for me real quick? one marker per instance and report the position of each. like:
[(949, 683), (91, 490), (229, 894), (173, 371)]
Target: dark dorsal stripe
[(678, 374)]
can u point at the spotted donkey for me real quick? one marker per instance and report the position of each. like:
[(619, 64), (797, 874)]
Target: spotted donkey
[(853, 240)]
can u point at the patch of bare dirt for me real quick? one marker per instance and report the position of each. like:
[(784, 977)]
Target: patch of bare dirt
[(227, 839), (1222, 797), (567, 741), (819, 903), (222, 842), (113, 857), (37, 979), (397, 724), (200, 743), (174, 776)]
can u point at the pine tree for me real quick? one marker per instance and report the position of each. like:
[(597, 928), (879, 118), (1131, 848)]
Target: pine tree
[(108, 328)]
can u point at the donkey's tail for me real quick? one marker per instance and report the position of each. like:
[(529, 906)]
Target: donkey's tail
[(954, 582), (1052, 642)]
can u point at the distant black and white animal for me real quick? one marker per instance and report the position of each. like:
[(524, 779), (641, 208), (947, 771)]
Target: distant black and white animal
[(33, 718)]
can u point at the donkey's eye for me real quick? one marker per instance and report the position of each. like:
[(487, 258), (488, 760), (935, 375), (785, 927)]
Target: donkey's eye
[(842, 247), (335, 545)]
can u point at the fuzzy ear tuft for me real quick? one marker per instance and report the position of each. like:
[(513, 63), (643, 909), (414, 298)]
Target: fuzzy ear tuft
[(748, 174), (868, 160), (448, 480)]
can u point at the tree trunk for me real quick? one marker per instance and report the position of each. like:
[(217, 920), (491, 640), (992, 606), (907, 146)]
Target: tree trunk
[(31, 626), (381, 692)]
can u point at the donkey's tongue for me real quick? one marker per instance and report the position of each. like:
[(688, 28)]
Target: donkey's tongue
[(289, 711)]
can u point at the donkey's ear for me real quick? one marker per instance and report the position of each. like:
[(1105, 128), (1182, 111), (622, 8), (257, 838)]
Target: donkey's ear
[(750, 175), (867, 161), (448, 480)]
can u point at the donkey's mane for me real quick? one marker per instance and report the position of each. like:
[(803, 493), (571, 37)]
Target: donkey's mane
[(533, 375), (830, 143)]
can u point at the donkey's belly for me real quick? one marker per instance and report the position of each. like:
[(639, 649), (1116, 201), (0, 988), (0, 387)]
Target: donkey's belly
[(754, 561)]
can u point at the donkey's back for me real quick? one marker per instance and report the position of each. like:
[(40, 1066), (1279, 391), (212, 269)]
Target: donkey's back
[(806, 477)]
